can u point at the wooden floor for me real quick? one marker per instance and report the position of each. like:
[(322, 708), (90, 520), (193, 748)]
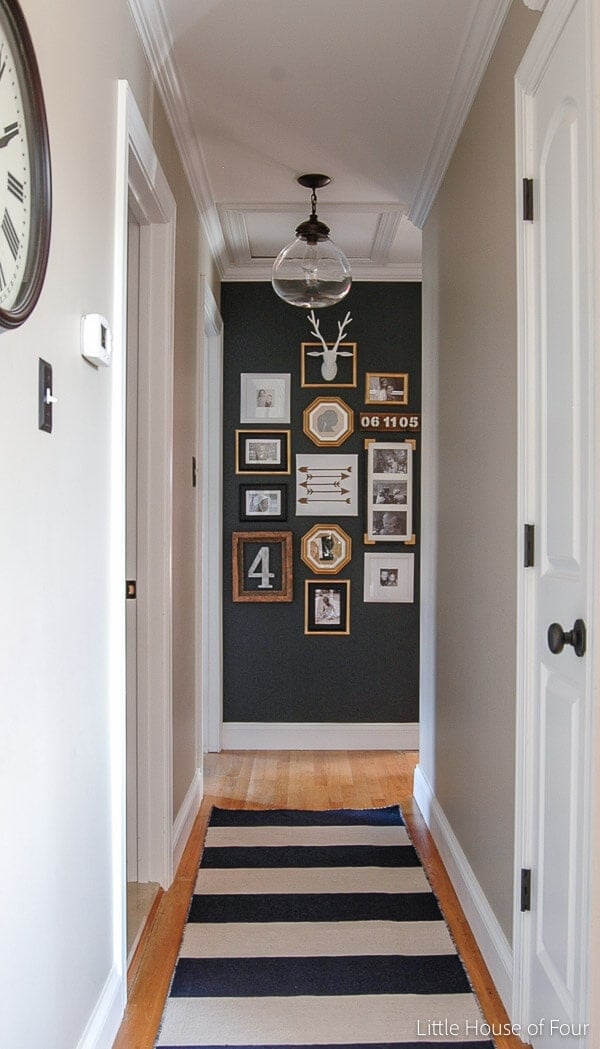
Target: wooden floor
[(292, 779)]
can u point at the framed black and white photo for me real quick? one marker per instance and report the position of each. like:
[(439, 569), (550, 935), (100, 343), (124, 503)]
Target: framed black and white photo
[(258, 501), (327, 606), (389, 578), (386, 388), (328, 421), (326, 485), (389, 491), (262, 566), (326, 548), (262, 451), (264, 397)]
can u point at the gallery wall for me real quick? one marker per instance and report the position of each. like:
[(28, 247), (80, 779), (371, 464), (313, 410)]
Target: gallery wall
[(274, 671)]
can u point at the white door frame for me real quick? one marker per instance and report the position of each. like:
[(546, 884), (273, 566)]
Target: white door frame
[(209, 583), (140, 176), (529, 74)]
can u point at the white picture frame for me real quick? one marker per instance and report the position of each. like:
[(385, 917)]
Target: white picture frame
[(265, 397), (389, 578), (389, 491)]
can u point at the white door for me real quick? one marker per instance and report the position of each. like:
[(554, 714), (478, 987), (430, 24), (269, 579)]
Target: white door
[(556, 301)]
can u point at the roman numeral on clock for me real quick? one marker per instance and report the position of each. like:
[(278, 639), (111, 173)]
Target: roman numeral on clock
[(2, 279), (12, 237), (15, 187)]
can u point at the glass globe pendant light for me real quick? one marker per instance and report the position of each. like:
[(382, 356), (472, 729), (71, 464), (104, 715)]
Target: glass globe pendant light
[(312, 271)]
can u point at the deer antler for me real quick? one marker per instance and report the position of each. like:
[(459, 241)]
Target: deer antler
[(341, 328), (315, 329)]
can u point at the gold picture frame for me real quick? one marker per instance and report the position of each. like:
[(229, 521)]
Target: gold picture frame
[(328, 421), (326, 549)]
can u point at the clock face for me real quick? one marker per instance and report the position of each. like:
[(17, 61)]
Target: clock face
[(25, 200)]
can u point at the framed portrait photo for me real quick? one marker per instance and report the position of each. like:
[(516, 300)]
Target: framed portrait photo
[(264, 397), (327, 606), (326, 548), (258, 501), (328, 421), (389, 578), (386, 388), (262, 451), (262, 566), (389, 491)]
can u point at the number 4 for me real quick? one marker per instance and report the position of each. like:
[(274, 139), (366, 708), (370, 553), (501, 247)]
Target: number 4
[(262, 572)]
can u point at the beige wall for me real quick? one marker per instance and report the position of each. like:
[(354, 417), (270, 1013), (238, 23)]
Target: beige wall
[(469, 267), (59, 715)]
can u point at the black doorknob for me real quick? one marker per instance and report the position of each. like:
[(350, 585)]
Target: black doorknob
[(558, 638)]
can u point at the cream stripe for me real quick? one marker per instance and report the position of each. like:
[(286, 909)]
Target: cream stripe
[(265, 836), (307, 1019), (311, 939), (243, 880)]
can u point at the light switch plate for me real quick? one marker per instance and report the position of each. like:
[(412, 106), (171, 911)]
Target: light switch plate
[(44, 406)]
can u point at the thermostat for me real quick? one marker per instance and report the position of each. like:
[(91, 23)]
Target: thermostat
[(96, 339)]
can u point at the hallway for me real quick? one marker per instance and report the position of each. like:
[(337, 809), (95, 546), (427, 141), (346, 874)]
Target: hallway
[(292, 779)]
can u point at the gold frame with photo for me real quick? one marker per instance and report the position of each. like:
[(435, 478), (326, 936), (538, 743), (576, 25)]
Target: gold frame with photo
[(326, 549), (314, 623), (399, 396)]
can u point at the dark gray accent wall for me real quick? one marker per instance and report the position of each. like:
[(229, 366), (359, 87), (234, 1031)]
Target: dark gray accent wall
[(272, 671)]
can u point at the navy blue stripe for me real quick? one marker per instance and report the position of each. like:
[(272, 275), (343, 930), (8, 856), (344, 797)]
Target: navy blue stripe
[(316, 907), (346, 974), (383, 817), (310, 856), (353, 1045)]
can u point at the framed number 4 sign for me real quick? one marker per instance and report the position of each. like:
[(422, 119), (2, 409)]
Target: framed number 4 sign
[(262, 566)]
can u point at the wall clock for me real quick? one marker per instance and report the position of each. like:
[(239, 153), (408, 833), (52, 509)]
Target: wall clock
[(25, 182)]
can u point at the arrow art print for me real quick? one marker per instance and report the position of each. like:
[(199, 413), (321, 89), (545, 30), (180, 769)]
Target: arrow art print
[(326, 485)]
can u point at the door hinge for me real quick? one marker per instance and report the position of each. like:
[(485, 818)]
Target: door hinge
[(529, 546), (131, 589), (194, 472), (528, 200), (525, 889)]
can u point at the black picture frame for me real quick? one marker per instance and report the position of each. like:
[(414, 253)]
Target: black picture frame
[(263, 501), (262, 451), (327, 606)]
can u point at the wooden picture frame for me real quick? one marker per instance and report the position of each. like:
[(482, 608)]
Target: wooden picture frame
[(326, 549), (262, 566), (386, 388), (328, 421), (327, 607), (310, 365), (262, 451)]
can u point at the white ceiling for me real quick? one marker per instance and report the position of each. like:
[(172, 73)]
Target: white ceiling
[(373, 93)]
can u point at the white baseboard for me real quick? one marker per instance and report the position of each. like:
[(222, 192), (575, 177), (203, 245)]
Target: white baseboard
[(105, 1020), (184, 821), (495, 948), (250, 735)]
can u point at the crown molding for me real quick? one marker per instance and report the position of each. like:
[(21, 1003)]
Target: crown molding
[(151, 24), (362, 270), (481, 39)]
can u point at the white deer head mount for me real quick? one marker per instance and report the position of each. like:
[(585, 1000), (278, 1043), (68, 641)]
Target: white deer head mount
[(330, 352)]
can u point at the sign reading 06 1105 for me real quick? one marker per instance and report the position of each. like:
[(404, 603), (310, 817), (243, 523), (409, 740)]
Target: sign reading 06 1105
[(25, 181)]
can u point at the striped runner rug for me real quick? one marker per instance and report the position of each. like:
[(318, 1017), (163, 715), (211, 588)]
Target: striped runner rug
[(316, 929)]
